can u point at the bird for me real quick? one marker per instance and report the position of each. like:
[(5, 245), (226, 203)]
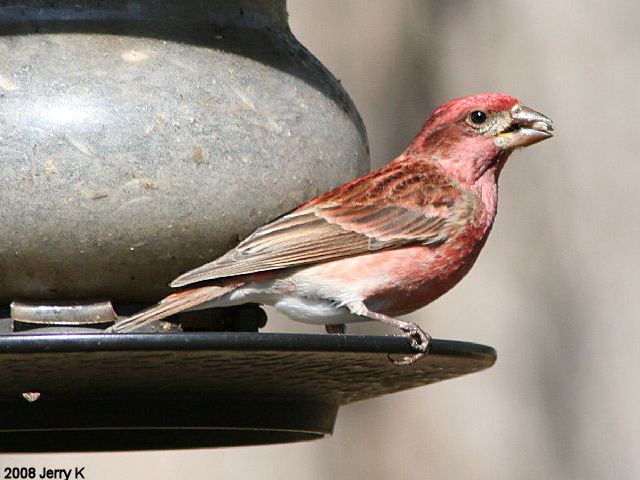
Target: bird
[(380, 246)]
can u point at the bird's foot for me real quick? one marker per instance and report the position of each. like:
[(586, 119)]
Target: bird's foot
[(418, 339), (419, 342), (340, 328)]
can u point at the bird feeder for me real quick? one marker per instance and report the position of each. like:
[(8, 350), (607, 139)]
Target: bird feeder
[(139, 140)]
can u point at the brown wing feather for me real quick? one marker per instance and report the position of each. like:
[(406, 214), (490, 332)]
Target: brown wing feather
[(330, 227)]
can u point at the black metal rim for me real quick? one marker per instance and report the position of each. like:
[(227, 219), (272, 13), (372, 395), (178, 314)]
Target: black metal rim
[(228, 341)]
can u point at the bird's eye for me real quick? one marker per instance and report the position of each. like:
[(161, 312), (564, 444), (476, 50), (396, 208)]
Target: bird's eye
[(477, 117)]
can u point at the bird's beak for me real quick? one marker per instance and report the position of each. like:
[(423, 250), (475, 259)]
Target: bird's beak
[(527, 127)]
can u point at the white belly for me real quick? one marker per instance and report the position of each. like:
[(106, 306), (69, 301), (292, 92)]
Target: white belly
[(318, 312), (303, 306)]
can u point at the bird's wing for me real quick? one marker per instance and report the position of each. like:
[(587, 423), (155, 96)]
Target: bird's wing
[(341, 224)]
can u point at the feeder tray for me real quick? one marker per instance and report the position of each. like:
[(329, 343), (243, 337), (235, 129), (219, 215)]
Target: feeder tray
[(103, 392)]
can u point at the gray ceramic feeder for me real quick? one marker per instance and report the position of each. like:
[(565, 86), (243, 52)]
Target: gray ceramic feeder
[(139, 139)]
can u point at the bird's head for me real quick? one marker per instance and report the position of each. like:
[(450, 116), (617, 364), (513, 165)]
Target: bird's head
[(471, 136)]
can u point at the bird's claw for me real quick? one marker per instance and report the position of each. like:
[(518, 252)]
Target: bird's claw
[(419, 342), (336, 329)]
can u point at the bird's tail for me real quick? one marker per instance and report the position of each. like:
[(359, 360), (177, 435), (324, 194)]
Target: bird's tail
[(168, 306)]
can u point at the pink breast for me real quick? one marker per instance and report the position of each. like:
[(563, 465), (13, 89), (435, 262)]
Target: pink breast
[(400, 281)]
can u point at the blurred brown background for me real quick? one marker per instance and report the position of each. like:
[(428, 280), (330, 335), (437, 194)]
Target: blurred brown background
[(556, 288)]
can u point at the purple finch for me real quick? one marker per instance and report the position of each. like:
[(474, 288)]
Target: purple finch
[(382, 245)]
